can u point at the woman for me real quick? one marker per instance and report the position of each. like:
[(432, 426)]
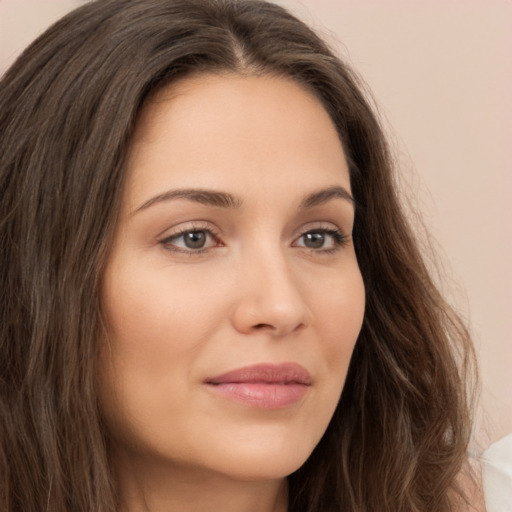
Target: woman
[(211, 297)]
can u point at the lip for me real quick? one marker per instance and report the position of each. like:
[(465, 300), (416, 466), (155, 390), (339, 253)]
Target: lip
[(265, 386)]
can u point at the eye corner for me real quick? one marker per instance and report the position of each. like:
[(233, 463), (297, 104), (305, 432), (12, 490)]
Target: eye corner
[(322, 239), (191, 239)]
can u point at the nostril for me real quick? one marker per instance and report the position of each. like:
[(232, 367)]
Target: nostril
[(262, 326), (275, 328)]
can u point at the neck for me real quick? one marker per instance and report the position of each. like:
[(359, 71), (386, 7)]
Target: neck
[(165, 487)]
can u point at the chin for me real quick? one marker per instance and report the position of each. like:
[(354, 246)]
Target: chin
[(271, 457), (262, 468)]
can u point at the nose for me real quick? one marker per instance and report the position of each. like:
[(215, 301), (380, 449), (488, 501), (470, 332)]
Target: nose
[(270, 298)]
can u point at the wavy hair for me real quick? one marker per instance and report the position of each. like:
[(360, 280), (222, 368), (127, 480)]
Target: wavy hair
[(68, 107)]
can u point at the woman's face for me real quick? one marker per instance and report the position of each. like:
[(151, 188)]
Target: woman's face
[(232, 294)]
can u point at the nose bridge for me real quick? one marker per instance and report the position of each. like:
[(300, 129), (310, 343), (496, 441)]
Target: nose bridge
[(269, 295)]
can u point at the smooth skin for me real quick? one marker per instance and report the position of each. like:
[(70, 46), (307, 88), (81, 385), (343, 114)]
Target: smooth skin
[(233, 248)]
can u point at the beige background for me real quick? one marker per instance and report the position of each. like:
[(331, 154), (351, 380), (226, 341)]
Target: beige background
[(441, 72)]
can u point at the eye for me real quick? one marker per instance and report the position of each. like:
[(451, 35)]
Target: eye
[(190, 240), (321, 239)]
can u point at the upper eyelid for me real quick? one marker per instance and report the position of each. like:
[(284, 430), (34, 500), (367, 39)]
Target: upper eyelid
[(329, 231), (167, 241), (203, 225), (332, 229), (180, 233), (185, 227), (324, 225)]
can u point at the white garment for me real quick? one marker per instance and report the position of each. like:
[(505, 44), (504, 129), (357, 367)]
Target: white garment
[(497, 475)]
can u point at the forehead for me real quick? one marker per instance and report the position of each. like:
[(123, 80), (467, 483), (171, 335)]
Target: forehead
[(212, 130)]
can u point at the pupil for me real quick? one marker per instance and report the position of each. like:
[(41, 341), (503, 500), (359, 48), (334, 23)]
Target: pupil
[(195, 239), (314, 240)]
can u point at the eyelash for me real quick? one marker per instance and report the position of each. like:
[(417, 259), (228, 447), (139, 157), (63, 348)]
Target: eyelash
[(167, 242), (339, 240)]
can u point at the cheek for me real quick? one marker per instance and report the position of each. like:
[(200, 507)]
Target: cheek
[(147, 306), (158, 321), (339, 317), (151, 336)]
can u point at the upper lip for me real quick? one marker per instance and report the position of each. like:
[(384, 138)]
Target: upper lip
[(266, 373)]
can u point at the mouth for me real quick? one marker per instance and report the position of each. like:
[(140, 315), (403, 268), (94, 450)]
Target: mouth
[(265, 386)]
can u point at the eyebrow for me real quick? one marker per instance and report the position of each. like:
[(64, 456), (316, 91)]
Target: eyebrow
[(227, 200), (327, 194), (202, 196)]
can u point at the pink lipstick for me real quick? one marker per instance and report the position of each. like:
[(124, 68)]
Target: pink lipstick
[(267, 386)]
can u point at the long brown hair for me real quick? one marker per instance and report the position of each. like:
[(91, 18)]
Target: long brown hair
[(68, 107)]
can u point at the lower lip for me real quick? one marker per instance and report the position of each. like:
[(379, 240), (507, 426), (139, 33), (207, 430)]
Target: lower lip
[(262, 395)]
